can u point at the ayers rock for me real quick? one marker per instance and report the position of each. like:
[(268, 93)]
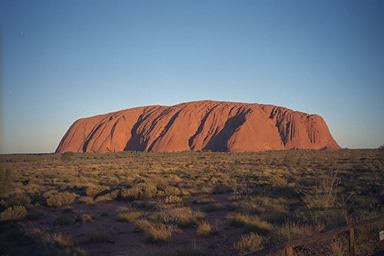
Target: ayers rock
[(199, 125)]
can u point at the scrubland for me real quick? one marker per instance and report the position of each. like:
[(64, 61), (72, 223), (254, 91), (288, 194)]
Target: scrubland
[(188, 203)]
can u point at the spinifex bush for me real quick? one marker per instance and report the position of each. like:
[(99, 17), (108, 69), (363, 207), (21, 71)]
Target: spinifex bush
[(54, 244), (183, 216), (13, 213), (85, 217), (323, 194), (294, 230), (157, 232), (250, 222), (60, 199), (18, 199), (140, 191), (67, 156), (173, 200), (127, 216), (5, 181), (94, 190), (337, 248), (204, 229), (249, 243), (171, 191)]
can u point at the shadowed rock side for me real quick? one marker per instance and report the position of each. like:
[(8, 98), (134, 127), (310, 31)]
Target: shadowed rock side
[(200, 125)]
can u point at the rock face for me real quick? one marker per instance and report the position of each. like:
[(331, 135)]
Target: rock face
[(200, 125)]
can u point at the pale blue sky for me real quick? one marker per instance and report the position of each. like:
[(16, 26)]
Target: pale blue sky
[(62, 60)]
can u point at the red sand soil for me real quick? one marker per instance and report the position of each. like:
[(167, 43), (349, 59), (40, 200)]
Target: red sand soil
[(196, 126)]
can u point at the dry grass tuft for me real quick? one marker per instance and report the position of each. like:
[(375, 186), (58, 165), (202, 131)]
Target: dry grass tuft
[(139, 191), (337, 248), (173, 200), (248, 243), (323, 194), (85, 217), (157, 232), (13, 213), (204, 229), (293, 230), (250, 222), (60, 199), (5, 181), (127, 216), (182, 216)]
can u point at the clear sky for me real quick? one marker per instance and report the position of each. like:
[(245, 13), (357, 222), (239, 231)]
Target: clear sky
[(62, 60)]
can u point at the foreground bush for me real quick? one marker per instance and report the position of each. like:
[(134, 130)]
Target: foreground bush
[(60, 199), (293, 230), (204, 229), (249, 243), (55, 244), (18, 199), (183, 216), (13, 213), (140, 191), (5, 181), (157, 232), (126, 216), (85, 217), (173, 200)]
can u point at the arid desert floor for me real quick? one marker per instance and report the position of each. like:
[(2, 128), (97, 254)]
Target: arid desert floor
[(189, 203)]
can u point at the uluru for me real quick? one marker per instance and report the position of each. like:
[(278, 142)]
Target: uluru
[(199, 126)]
